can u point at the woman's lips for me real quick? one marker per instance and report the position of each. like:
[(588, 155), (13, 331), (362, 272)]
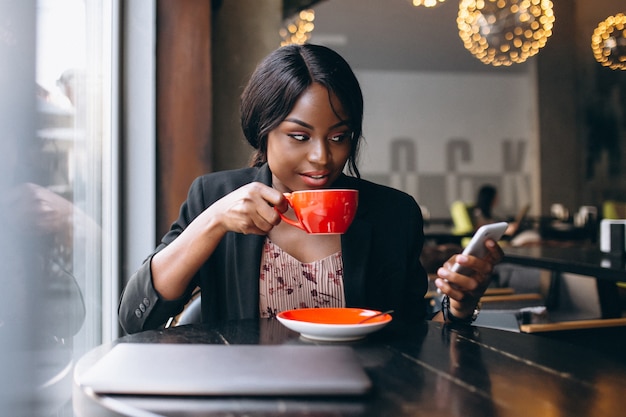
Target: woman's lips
[(315, 179)]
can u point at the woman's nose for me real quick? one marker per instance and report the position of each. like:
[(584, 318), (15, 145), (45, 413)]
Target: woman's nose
[(319, 151)]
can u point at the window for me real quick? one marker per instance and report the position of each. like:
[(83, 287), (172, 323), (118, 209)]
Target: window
[(59, 195), (75, 79)]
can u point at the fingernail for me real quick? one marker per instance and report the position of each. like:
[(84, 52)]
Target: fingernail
[(461, 258), (491, 244), (442, 272)]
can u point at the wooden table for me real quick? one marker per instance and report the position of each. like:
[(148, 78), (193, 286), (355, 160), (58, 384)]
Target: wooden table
[(587, 261), (424, 369)]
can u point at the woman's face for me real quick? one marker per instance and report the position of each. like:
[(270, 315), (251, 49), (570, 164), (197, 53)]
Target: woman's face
[(309, 149)]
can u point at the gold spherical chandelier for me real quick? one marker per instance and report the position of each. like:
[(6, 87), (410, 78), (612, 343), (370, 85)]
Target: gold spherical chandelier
[(427, 3), (298, 29), (504, 32), (608, 42)]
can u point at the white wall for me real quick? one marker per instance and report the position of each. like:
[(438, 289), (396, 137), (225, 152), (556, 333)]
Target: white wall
[(448, 133)]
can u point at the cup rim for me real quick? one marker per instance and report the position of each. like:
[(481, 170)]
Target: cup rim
[(325, 190)]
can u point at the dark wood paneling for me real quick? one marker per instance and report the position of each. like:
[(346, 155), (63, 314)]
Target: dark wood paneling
[(183, 101)]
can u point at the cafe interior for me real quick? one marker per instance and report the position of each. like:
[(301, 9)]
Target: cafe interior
[(111, 108)]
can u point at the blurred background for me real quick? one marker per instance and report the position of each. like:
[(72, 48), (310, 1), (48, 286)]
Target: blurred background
[(110, 108)]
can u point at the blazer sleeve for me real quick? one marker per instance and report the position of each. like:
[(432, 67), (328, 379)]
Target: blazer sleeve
[(141, 307)]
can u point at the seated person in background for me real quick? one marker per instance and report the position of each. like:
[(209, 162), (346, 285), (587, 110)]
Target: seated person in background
[(482, 213), (302, 112)]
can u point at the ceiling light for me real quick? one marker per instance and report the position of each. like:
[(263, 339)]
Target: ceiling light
[(608, 42), (298, 29), (427, 3), (504, 32)]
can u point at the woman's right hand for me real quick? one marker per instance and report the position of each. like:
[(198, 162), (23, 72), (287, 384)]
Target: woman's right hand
[(249, 209)]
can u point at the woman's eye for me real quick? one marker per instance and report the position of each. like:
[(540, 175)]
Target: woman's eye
[(340, 137), (298, 136)]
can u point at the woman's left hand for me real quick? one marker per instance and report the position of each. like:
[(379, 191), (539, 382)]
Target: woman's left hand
[(465, 291)]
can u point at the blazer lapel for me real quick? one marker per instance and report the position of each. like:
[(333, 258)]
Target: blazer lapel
[(355, 248), (245, 262)]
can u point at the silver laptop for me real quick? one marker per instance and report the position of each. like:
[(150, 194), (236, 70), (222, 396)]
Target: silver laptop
[(227, 370)]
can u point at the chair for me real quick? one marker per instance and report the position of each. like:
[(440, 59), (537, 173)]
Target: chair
[(462, 220), (614, 210), (192, 313)]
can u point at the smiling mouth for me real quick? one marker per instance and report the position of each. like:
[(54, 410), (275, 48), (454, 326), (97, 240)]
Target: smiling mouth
[(316, 180)]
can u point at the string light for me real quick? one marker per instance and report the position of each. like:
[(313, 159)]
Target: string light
[(608, 42), (298, 29), (504, 32), (427, 3)]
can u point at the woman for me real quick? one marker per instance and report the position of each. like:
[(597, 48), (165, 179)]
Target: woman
[(302, 111), (486, 200)]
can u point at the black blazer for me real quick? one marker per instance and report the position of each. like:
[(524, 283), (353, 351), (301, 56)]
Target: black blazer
[(380, 251)]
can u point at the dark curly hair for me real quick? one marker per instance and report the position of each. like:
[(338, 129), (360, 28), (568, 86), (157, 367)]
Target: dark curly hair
[(281, 78)]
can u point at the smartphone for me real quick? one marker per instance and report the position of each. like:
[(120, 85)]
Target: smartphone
[(476, 247)]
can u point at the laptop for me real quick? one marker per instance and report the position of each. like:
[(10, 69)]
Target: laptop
[(227, 370)]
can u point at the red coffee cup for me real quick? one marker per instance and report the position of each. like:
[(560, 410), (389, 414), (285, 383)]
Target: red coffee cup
[(327, 211)]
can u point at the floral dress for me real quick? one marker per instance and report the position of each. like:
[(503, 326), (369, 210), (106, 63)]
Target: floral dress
[(287, 284)]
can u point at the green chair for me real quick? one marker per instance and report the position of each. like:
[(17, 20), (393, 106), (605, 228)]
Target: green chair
[(462, 221), (612, 209)]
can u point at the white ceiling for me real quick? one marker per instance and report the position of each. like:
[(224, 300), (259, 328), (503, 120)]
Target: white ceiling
[(395, 35)]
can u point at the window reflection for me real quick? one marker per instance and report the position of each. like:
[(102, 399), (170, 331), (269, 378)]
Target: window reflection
[(57, 193)]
